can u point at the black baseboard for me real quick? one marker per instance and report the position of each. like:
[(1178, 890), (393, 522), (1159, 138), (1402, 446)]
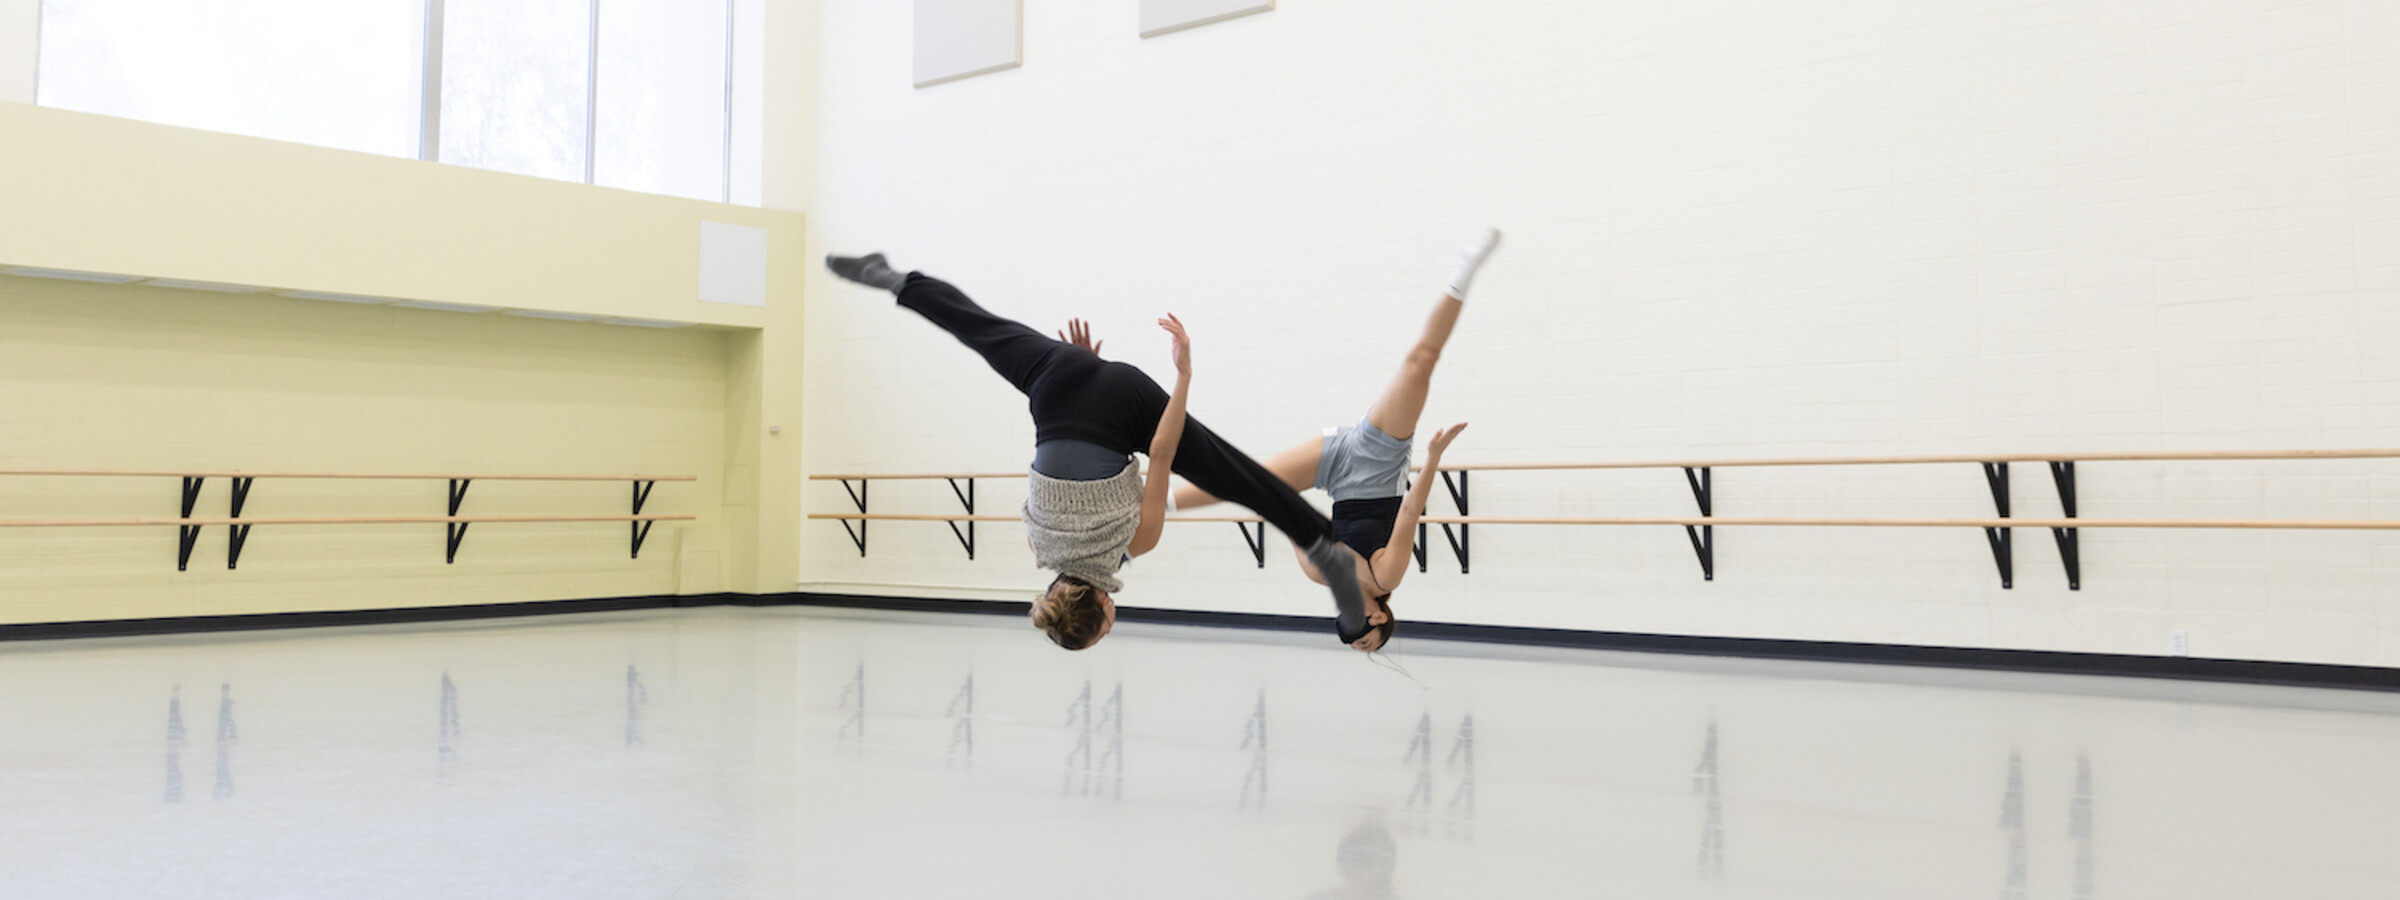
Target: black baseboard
[(2241, 671), (270, 621), (2122, 665)]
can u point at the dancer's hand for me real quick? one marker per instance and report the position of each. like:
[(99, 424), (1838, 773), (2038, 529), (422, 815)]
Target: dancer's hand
[(1183, 344), (1079, 333), (1441, 439)]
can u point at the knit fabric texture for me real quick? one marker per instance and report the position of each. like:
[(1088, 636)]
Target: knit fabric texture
[(1082, 528)]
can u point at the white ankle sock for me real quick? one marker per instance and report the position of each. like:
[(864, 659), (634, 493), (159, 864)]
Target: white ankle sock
[(1470, 258)]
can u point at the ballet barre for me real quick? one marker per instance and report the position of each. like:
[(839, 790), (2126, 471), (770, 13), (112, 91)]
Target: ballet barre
[(238, 528), (1699, 475)]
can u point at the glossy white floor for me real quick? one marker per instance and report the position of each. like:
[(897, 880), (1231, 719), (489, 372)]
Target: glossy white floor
[(783, 753)]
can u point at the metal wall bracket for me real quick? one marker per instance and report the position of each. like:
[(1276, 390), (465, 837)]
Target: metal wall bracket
[(858, 535), (237, 534), (1458, 540), (1704, 537), (457, 531), (966, 498), (2070, 547), (2001, 539), (1418, 548), (187, 535), (641, 530), (1257, 543)]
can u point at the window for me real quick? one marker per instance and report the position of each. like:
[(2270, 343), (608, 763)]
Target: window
[(639, 100), (516, 84), (661, 122), (332, 74)]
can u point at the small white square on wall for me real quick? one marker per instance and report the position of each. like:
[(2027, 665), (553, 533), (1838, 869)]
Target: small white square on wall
[(1162, 16), (965, 38), (733, 264)]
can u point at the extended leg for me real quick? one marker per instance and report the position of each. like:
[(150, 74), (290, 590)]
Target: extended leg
[(1296, 466), (1395, 413), (1014, 350)]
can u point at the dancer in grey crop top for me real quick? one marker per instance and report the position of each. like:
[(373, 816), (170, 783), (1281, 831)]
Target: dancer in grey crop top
[(1363, 466)]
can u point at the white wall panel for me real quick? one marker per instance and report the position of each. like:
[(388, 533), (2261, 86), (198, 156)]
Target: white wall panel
[(1162, 16), (20, 39), (963, 38), (1821, 227)]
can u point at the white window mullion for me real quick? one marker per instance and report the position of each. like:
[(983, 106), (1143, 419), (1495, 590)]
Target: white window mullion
[(429, 110)]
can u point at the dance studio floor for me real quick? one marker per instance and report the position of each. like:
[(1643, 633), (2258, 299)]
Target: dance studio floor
[(796, 753)]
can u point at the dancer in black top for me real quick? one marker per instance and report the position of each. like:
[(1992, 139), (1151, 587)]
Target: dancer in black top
[(1088, 508)]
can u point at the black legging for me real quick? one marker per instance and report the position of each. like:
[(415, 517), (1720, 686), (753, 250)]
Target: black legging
[(1076, 394)]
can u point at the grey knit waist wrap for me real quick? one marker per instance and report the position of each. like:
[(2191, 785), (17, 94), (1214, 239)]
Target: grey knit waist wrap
[(1082, 528)]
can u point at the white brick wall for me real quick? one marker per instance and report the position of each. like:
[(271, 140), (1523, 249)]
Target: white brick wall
[(1735, 229)]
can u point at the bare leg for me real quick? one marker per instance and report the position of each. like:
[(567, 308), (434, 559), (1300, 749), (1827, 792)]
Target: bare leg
[(1395, 413), (1295, 466)]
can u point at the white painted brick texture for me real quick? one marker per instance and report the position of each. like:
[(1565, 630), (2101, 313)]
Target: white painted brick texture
[(1735, 229)]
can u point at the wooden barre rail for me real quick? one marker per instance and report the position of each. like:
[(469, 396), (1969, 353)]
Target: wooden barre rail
[(1761, 521), (211, 473), (2186, 456), (238, 527), (329, 520), (1999, 530)]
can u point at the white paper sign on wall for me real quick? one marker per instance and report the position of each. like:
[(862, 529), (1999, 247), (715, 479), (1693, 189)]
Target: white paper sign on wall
[(965, 38), (1162, 16), (733, 264)]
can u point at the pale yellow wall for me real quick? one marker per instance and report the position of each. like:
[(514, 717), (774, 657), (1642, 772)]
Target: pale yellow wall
[(103, 194), (135, 376), (20, 30)]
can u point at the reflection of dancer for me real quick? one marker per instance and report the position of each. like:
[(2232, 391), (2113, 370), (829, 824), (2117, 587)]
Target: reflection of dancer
[(1088, 508), (1366, 858), (1361, 466)]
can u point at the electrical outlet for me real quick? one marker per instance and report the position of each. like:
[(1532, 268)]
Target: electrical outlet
[(2177, 645)]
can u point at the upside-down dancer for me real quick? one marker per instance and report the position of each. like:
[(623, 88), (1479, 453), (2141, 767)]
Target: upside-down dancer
[(1362, 466), (1088, 508)]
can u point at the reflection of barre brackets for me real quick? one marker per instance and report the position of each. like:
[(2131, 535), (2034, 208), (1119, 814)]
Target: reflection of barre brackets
[(1701, 529)]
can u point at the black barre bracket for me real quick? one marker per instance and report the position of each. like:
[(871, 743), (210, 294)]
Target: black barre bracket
[(858, 535), (2001, 539), (641, 529), (1257, 543), (457, 531), (1418, 548), (187, 535), (1704, 537), (2070, 546), (965, 498), (1458, 540), (237, 534)]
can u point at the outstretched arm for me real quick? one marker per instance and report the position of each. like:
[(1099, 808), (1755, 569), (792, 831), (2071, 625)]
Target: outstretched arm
[(1391, 562), (1163, 442)]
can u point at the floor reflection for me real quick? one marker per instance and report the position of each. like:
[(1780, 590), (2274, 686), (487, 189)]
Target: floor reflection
[(2012, 821), (226, 735), (1100, 773), (1712, 822), (961, 711), (445, 744), (1520, 771), (2079, 826), (175, 741), (1366, 859), (1254, 739), (637, 695)]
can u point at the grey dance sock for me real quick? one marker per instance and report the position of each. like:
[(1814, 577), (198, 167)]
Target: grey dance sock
[(869, 270), (1339, 564)]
